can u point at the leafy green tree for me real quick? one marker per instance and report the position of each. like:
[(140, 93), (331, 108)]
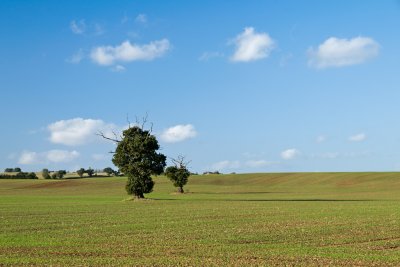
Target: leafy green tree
[(178, 174), (46, 174), (58, 174), (31, 175), (61, 173), (17, 169), (9, 170), (109, 171), (80, 172), (90, 172), (136, 156)]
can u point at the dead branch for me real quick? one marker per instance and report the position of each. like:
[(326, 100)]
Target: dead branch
[(180, 162), (127, 119), (101, 134)]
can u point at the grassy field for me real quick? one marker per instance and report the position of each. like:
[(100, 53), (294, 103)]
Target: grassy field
[(294, 219)]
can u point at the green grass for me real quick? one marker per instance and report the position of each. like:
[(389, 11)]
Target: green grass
[(293, 219)]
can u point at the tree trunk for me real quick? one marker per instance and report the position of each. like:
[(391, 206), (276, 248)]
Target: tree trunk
[(138, 196), (180, 189)]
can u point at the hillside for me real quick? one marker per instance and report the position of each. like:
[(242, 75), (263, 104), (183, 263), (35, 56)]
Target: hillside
[(283, 219)]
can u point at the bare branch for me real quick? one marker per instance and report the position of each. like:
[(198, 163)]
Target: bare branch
[(115, 135), (180, 162), (108, 138), (144, 120), (137, 120), (127, 119)]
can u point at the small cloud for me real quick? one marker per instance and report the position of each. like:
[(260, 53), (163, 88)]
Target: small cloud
[(141, 18), (28, 157), (321, 139), (127, 52), (52, 156), (225, 164), (358, 137), (251, 46), (206, 56), (335, 52), (178, 133), (118, 68), (79, 131), (77, 57), (290, 153), (78, 27)]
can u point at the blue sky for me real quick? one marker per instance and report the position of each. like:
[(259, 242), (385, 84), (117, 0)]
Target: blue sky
[(244, 86)]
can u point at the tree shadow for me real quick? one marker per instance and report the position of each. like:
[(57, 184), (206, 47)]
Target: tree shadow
[(302, 200), (240, 193), (271, 200)]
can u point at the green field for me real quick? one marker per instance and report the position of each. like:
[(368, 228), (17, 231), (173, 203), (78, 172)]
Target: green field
[(293, 219)]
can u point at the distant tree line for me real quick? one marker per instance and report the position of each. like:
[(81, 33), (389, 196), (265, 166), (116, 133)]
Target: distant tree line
[(19, 175), (91, 172)]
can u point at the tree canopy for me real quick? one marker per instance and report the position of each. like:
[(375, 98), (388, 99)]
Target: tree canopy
[(178, 174), (136, 156), (109, 171)]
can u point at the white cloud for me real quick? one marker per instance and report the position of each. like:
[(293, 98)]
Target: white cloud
[(335, 52), (141, 18), (290, 153), (251, 46), (127, 52), (77, 57), (51, 156), (225, 164), (78, 27), (78, 131), (358, 137), (178, 133), (28, 157)]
